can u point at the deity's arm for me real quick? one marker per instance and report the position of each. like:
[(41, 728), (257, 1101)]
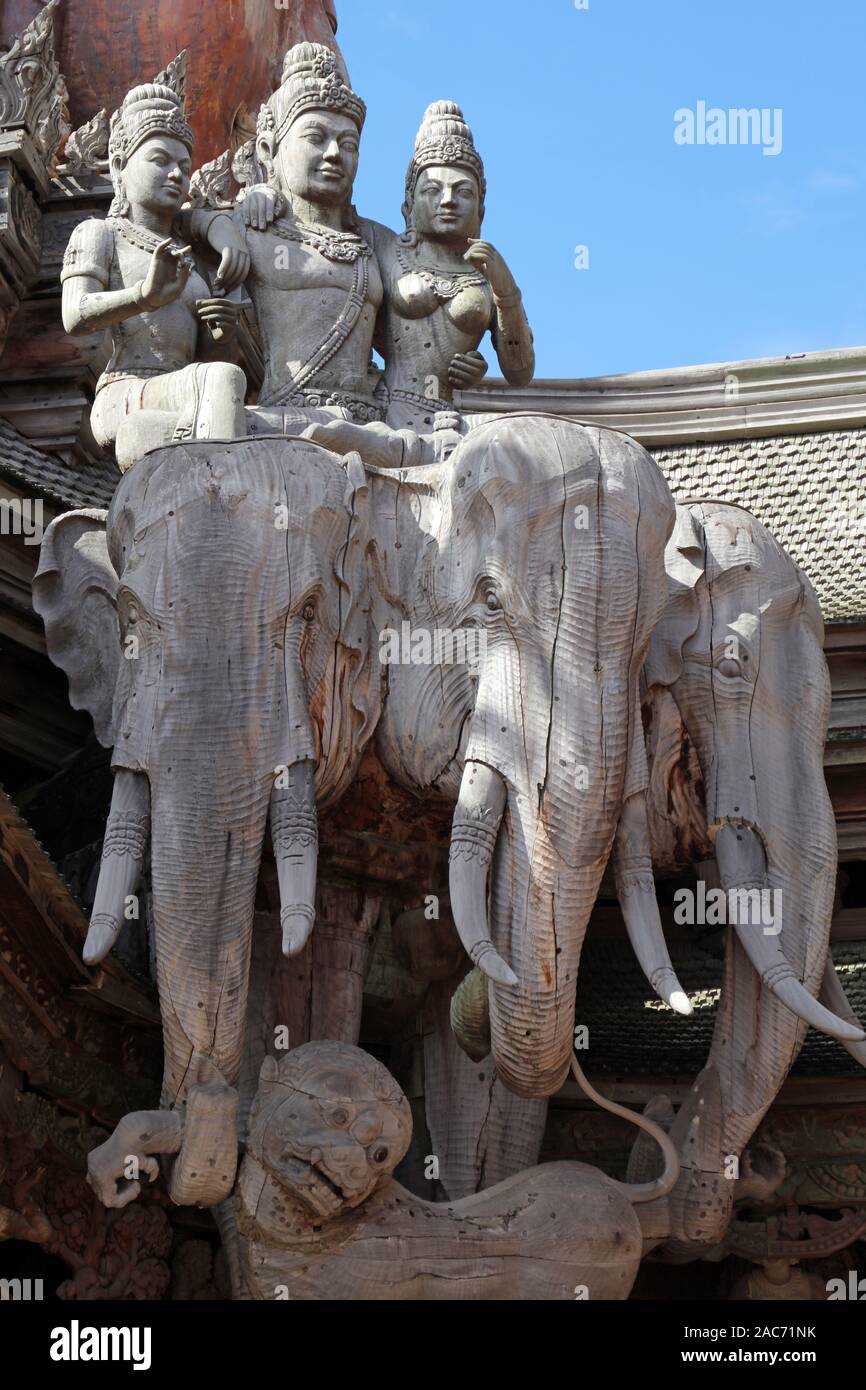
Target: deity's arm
[(222, 231), (383, 242), (88, 306), (512, 339), (509, 327), (381, 238)]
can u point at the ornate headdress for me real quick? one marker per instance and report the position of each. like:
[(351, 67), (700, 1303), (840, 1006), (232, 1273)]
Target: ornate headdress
[(445, 138), (154, 108), (311, 81)]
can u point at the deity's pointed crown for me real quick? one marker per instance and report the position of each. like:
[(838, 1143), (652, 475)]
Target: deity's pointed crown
[(311, 81), (154, 108), (445, 138)]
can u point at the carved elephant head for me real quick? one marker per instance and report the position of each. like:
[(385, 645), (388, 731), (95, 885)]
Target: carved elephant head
[(517, 587), (740, 650), (237, 685)]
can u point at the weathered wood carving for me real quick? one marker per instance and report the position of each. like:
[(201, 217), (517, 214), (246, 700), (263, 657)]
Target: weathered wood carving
[(740, 650), (351, 565), (319, 1215), (132, 275)]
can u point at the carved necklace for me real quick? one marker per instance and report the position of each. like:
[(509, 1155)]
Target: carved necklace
[(136, 236), (334, 246), (444, 286)]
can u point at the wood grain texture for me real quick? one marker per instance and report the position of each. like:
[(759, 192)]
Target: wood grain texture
[(208, 544), (105, 47), (241, 592)]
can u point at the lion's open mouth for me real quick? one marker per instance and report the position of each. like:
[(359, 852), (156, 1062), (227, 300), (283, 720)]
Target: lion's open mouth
[(320, 1176)]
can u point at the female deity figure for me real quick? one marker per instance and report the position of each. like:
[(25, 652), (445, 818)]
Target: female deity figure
[(132, 274), (444, 286)]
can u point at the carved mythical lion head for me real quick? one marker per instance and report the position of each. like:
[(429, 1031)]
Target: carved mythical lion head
[(330, 1124)]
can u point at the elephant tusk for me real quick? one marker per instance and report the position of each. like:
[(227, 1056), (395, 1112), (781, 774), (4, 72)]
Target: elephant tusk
[(636, 891), (832, 995), (743, 866), (123, 851), (295, 835), (470, 1016), (480, 808)]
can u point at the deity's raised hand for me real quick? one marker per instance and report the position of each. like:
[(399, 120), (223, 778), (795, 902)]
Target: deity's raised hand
[(488, 260), (169, 269)]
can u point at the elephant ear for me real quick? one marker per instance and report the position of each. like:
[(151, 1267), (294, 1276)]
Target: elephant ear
[(75, 595), (685, 562)]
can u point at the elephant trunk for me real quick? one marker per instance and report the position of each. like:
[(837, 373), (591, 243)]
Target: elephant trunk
[(207, 849), (774, 967), (541, 908), (538, 911)]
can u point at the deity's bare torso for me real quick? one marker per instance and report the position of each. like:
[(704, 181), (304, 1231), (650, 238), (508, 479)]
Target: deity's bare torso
[(116, 253), (317, 295), (432, 313)]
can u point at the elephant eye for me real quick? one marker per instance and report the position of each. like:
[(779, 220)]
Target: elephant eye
[(309, 614), (380, 1153), (733, 667), (491, 600)]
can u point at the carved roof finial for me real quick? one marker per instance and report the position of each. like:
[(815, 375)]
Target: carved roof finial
[(173, 75), (32, 89), (445, 138), (86, 150)]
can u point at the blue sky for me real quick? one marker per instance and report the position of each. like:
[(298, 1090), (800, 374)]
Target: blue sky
[(699, 253)]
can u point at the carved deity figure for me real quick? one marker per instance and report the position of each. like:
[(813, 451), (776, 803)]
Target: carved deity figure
[(423, 299), (314, 278), (132, 274), (429, 297), (444, 286)]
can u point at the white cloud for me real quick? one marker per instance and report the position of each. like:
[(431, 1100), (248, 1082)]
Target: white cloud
[(828, 182)]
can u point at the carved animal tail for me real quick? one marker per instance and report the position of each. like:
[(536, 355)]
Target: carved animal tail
[(642, 1191)]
